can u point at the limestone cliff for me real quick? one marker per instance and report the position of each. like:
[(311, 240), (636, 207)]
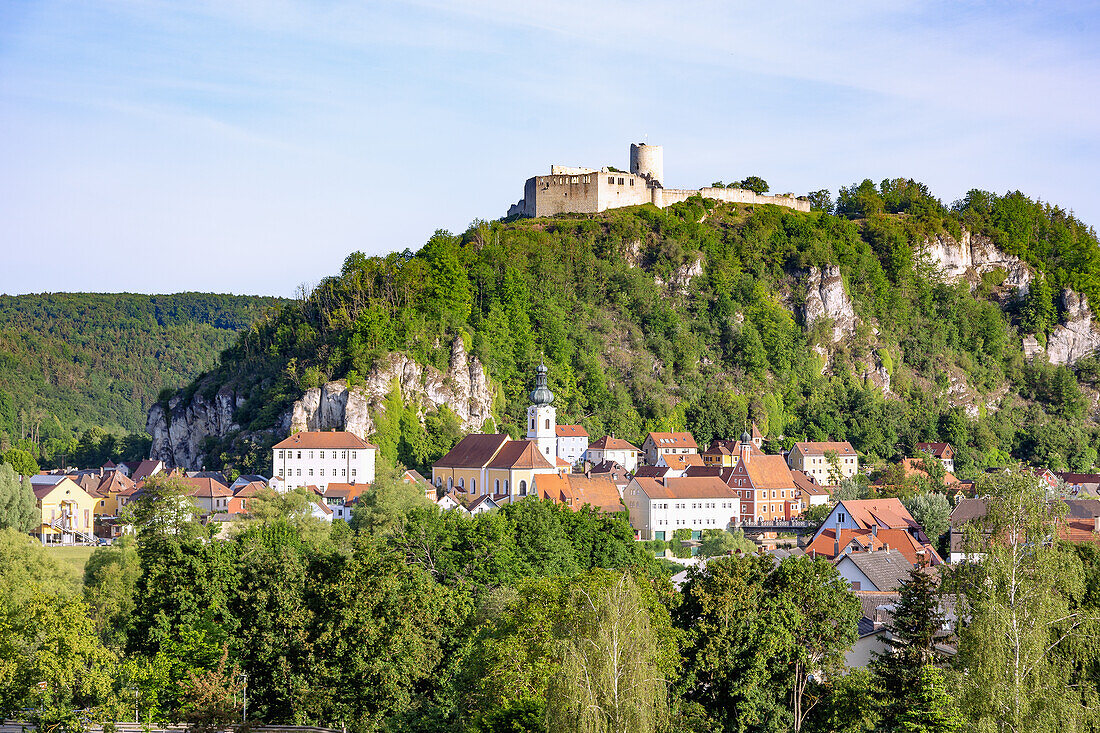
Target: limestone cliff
[(826, 298), (179, 432), (1075, 337), (970, 256)]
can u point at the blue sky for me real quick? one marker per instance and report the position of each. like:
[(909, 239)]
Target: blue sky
[(159, 146)]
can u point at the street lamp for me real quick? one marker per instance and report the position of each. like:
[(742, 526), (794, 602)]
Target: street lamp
[(244, 692), (137, 715)]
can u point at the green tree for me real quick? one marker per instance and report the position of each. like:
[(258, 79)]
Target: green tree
[(722, 542), (756, 184), (1038, 312), (164, 506), (821, 200), (383, 508), (917, 628), (818, 615), (1023, 602), (22, 461), (931, 708), (931, 511), (18, 509), (616, 656), (110, 579)]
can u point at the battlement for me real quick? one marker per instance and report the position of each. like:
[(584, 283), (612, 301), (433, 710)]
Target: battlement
[(575, 189)]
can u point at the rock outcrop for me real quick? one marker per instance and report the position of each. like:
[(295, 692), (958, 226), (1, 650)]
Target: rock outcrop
[(973, 255), (679, 280), (179, 432), (826, 298), (463, 388), (1075, 337)]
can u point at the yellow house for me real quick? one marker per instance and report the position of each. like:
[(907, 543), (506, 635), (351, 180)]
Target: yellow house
[(828, 463), (67, 511)]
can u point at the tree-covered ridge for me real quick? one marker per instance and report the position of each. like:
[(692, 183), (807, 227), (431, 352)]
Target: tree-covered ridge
[(74, 361), (636, 340)]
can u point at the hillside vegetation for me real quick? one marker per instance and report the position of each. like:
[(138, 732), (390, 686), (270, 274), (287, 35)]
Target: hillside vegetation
[(77, 362), (634, 343)]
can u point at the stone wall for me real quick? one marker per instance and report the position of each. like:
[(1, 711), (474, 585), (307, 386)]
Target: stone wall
[(663, 197)]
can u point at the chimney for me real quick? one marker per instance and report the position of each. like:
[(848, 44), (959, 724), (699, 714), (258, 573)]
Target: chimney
[(874, 530), (836, 546), (1096, 524)]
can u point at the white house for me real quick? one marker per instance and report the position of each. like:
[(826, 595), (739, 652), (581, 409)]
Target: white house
[(659, 444), (615, 450), (572, 443), (660, 506), (815, 460), (883, 571), (320, 458)]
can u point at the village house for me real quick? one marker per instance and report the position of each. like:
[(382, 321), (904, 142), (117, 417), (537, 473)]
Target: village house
[(341, 498), (572, 443), (613, 471), (872, 524), (943, 451), (318, 458), (66, 511), (243, 494), (764, 484), (111, 486), (1081, 523), (815, 459), (1080, 484), (577, 490), (209, 495), (491, 464), (679, 463), (660, 506), (617, 450), (810, 493), (659, 444), (882, 571)]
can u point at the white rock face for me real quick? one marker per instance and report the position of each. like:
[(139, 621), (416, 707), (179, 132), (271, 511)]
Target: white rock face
[(975, 255), (826, 298), (680, 279), (179, 433), (463, 388), (1076, 337)]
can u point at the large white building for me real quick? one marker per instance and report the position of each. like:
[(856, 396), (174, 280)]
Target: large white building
[(660, 506), (616, 450), (320, 458)]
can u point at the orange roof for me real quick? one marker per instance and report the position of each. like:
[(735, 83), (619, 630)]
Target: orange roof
[(936, 449), (206, 488), (886, 513), (598, 492), (250, 489), (673, 440), (680, 461), (344, 491), (570, 431), (325, 440), (114, 482), (912, 467), (608, 442), (821, 448), (769, 472), (824, 544), (807, 485), (685, 487), (519, 454)]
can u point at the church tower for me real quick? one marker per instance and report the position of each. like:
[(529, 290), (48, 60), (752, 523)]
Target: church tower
[(542, 419)]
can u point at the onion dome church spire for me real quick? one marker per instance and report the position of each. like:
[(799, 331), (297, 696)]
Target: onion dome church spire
[(542, 395)]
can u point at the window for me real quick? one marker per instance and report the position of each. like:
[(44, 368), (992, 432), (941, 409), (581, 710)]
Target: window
[(840, 517), (299, 472), (523, 488), (353, 472), (343, 454), (311, 454), (631, 181), (532, 423), (353, 455), (311, 472), (621, 181), (280, 454), (462, 483), (505, 486), (450, 483), (496, 486), (299, 454), (343, 472), (322, 472), (611, 179), (547, 423), (473, 486)]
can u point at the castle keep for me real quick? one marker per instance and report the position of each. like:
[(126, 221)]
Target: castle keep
[(569, 189)]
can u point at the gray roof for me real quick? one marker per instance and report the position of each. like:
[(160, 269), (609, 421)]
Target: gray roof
[(886, 569)]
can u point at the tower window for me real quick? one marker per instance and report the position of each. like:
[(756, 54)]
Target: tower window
[(547, 423), (532, 423)]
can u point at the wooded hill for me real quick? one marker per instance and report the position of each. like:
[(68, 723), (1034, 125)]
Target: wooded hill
[(73, 362), (690, 318)]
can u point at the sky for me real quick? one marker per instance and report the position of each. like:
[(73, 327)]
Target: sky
[(229, 146)]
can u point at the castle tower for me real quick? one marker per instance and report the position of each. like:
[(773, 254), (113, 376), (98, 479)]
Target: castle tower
[(542, 418), (648, 160)]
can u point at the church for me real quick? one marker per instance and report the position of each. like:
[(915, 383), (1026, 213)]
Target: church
[(505, 469)]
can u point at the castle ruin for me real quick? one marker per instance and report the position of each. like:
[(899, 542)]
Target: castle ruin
[(575, 190)]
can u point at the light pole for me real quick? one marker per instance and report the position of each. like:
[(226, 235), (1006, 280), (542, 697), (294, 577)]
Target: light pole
[(137, 715), (244, 692)]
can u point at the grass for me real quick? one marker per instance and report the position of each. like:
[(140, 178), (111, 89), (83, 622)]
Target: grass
[(72, 559)]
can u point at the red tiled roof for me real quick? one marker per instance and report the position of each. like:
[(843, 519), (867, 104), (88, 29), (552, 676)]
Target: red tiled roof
[(824, 544), (570, 431), (807, 485), (821, 448), (769, 472), (685, 487), (608, 442), (249, 490), (325, 440), (936, 449), (681, 461), (519, 454), (887, 513), (206, 488), (673, 440), (473, 451)]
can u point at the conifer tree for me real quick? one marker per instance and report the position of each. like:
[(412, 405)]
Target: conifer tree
[(916, 628)]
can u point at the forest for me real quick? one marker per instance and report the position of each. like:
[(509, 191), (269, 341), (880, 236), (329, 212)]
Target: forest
[(634, 343), (537, 617), (78, 371)]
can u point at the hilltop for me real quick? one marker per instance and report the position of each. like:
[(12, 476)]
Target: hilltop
[(74, 362), (886, 319)]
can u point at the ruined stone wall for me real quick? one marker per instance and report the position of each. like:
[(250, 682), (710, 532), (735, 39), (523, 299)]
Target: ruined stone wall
[(663, 197), (564, 194), (616, 190)]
